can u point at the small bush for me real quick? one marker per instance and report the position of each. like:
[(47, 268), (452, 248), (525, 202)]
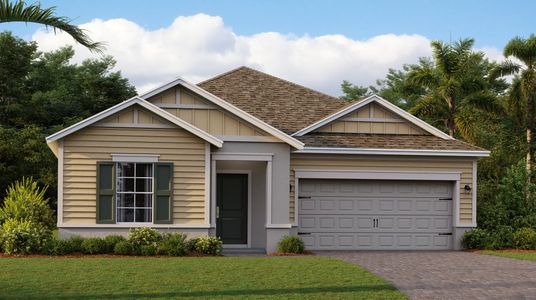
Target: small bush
[(525, 238), (111, 241), (191, 245), (209, 245), (476, 239), (173, 244), (123, 248), (290, 244), (58, 247), (23, 237), (25, 200), (148, 250), (94, 246), (501, 238), (144, 236), (76, 243)]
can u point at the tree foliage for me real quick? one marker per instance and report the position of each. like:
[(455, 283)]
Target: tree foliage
[(40, 93), (18, 11)]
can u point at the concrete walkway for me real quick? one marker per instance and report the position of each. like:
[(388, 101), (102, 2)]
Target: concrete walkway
[(448, 275)]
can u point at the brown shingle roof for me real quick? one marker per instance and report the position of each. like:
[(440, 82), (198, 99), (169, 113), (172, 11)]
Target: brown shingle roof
[(285, 105), (384, 141)]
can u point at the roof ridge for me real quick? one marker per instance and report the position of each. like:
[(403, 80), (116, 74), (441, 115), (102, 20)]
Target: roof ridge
[(221, 75), (273, 76)]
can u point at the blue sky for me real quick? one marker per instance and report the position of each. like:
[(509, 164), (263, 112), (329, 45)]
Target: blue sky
[(491, 23)]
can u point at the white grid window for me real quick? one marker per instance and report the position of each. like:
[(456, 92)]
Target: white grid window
[(134, 192)]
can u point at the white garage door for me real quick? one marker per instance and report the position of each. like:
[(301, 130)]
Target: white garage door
[(375, 214)]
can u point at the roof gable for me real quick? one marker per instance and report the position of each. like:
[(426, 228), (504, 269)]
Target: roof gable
[(393, 111), (238, 112), (104, 115), (372, 119), (278, 102)]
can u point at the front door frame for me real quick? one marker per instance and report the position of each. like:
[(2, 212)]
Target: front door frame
[(248, 173)]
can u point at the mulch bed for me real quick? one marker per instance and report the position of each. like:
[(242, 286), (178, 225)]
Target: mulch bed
[(509, 250), (82, 255)]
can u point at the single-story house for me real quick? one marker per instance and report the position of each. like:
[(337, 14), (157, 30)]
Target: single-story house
[(249, 157)]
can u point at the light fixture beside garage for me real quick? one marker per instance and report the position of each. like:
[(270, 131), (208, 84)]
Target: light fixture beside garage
[(467, 188)]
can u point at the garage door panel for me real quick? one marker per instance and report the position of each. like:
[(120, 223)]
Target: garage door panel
[(357, 205), (375, 215), (376, 241)]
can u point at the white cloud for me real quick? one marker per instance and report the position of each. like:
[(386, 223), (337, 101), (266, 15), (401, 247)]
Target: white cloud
[(200, 46)]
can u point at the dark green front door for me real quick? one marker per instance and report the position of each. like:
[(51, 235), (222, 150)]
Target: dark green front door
[(232, 208)]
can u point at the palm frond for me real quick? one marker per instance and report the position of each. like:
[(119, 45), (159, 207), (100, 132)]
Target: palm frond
[(463, 47), (466, 124), (444, 58), (423, 75), (20, 12), (522, 49), (483, 101), (505, 68)]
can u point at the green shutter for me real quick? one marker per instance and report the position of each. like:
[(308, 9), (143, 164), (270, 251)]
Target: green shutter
[(105, 193), (163, 191)]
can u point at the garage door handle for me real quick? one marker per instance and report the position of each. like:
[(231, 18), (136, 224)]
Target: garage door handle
[(443, 233), (445, 198), (304, 233), (303, 197)]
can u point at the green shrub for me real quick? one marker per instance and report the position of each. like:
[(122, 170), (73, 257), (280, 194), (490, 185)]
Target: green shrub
[(111, 241), (525, 238), (191, 245), (290, 244), (500, 238), (148, 250), (143, 236), (58, 247), (76, 243), (23, 237), (25, 201), (209, 245), (476, 239), (173, 244), (123, 248), (94, 246)]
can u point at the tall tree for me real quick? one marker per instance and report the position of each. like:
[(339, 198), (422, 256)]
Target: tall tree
[(523, 91), (40, 93), (353, 92), (20, 12), (456, 86)]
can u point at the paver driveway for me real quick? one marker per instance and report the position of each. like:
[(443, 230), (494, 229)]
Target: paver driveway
[(448, 275)]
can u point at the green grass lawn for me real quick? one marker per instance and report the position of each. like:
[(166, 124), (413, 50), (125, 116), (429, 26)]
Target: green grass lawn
[(192, 277), (517, 255)]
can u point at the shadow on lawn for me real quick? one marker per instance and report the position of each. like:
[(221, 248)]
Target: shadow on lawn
[(244, 292)]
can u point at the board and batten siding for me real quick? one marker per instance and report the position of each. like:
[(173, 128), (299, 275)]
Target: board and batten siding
[(374, 119), (83, 149), (387, 163), (203, 114)]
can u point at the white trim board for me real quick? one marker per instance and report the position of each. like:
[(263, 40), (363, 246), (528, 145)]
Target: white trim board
[(242, 156), (228, 107), (388, 105), (60, 183), (136, 158), (135, 225), (145, 104), (406, 152)]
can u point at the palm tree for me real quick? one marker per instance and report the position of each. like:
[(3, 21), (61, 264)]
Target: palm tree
[(456, 86), (522, 94), (34, 13)]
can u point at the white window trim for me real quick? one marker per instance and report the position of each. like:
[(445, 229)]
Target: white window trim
[(454, 177), (135, 158), (60, 184), (138, 224)]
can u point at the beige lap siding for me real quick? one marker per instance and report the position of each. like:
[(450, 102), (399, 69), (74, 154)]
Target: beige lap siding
[(83, 149), (368, 163)]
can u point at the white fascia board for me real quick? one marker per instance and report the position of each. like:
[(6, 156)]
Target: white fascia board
[(229, 107), (409, 152), (145, 104), (375, 98)]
